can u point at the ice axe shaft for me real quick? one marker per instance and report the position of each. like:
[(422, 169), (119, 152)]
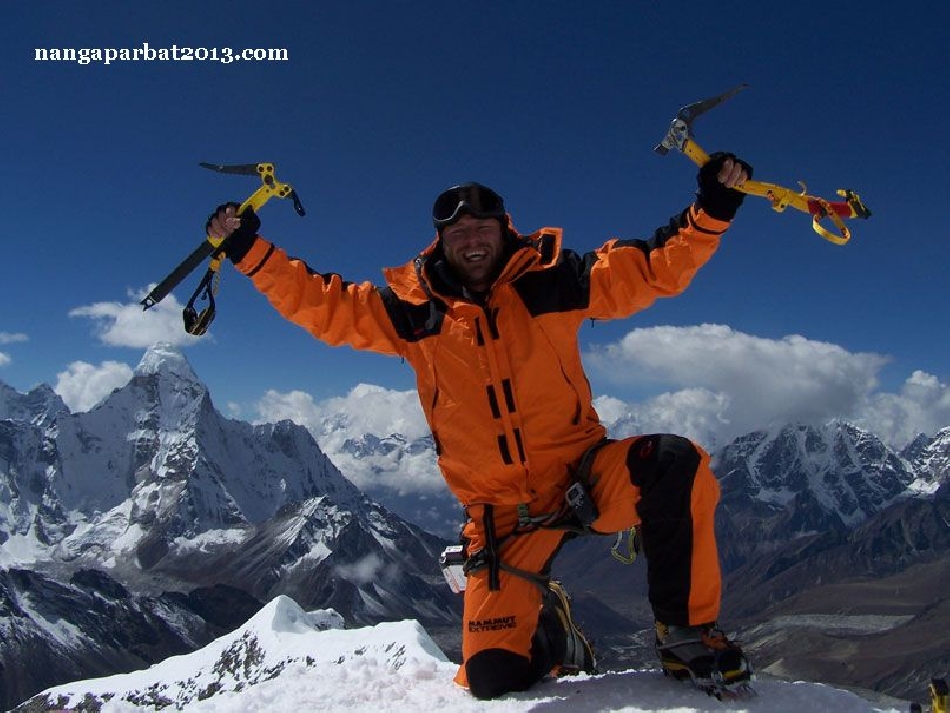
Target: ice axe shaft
[(680, 137)]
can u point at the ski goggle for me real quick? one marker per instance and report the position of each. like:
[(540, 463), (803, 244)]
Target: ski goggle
[(470, 198)]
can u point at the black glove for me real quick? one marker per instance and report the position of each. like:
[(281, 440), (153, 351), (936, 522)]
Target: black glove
[(713, 197), (239, 242)]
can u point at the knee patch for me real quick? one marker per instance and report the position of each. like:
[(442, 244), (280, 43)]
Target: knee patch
[(495, 672), (663, 466)]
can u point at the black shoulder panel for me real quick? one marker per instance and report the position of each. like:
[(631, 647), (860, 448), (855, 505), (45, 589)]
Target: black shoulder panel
[(413, 322), (663, 234), (563, 287), (327, 277)]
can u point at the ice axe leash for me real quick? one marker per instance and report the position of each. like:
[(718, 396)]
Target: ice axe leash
[(196, 322), (680, 137)]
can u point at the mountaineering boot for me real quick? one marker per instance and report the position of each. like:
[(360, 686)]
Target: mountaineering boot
[(578, 654), (704, 655)]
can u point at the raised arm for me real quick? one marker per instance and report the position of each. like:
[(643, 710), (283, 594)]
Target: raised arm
[(333, 310)]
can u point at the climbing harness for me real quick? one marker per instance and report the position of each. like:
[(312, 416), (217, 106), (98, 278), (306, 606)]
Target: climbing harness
[(575, 517)]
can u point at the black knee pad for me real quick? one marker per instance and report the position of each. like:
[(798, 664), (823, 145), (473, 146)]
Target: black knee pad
[(495, 672), (663, 466)]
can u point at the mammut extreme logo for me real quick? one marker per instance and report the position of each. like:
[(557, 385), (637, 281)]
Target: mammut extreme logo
[(494, 624)]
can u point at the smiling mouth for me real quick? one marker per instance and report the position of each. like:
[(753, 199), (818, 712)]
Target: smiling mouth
[(475, 255)]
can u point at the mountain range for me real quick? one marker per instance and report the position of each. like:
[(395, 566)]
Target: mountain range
[(151, 524)]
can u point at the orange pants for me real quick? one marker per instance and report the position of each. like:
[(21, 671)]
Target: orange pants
[(662, 483)]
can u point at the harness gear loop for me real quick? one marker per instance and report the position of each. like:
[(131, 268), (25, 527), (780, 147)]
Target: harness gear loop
[(524, 516), (634, 545)]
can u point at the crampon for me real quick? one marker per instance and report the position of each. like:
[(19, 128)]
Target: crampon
[(717, 686), (707, 658)]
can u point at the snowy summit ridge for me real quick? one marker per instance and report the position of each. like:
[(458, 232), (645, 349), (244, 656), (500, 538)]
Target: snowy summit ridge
[(286, 659)]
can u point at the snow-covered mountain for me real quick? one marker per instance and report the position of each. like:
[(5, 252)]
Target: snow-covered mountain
[(154, 474), (40, 406), (799, 480), (929, 457), (838, 548), (395, 470), (154, 487), (87, 624), (286, 659)]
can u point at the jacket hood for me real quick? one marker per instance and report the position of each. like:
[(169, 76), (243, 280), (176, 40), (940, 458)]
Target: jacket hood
[(417, 281)]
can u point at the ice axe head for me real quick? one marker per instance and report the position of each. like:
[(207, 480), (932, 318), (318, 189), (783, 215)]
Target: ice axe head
[(680, 131), (676, 137)]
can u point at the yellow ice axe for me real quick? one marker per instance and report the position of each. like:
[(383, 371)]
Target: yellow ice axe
[(197, 323), (680, 137)]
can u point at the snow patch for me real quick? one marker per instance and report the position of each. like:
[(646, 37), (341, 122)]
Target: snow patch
[(207, 541)]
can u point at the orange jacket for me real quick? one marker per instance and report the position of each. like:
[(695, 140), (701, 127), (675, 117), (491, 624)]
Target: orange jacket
[(501, 383)]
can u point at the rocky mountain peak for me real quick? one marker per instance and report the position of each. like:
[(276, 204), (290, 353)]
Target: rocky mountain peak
[(40, 406), (930, 458), (168, 361)]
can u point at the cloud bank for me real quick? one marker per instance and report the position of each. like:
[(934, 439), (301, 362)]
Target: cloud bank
[(708, 382), (717, 383), (120, 324)]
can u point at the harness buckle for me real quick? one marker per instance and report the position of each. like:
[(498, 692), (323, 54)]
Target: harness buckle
[(580, 501), (524, 517)]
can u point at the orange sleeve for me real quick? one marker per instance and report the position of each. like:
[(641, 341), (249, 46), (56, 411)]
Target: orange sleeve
[(629, 275), (331, 309)]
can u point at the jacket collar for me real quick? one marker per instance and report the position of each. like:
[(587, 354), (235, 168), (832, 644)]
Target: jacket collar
[(427, 276)]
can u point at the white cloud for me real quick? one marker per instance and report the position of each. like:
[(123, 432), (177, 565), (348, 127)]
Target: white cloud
[(699, 414), (10, 338), (297, 406), (723, 383), (922, 406), (364, 571), (366, 409), (128, 325), (84, 385)]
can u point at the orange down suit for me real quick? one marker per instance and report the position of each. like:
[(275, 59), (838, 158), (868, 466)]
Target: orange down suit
[(510, 409)]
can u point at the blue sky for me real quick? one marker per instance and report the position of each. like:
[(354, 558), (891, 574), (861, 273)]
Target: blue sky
[(381, 105)]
